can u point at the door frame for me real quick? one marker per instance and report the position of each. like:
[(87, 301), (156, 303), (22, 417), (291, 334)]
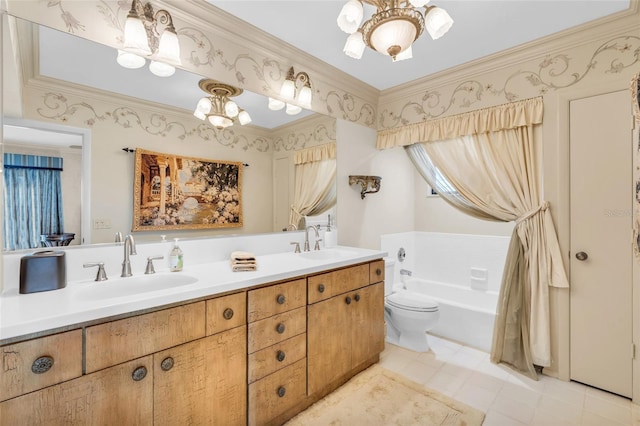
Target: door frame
[(556, 189)]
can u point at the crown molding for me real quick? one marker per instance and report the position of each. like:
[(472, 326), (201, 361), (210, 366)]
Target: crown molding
[(608, 27), (235, 30)]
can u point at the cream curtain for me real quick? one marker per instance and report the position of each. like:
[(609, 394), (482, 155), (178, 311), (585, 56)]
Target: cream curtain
[(315, 182), (495, 176)]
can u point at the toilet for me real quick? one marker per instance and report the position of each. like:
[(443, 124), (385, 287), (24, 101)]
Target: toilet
[(408, 315)]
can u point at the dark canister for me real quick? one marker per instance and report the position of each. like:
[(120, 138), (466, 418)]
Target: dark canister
[(43, 271)]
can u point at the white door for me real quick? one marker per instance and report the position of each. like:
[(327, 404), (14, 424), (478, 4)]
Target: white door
[(601, 150)]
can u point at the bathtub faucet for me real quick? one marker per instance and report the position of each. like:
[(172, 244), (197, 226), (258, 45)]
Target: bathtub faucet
[(405, 272)]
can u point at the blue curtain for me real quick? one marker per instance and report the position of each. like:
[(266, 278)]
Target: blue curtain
[(33, 199)]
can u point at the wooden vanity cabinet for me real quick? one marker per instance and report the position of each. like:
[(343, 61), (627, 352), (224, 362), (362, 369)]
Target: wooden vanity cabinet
[(154, 368), (346, 331)]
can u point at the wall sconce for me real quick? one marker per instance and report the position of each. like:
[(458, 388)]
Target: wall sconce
[(142, 38), (369, 184), (288, 93)]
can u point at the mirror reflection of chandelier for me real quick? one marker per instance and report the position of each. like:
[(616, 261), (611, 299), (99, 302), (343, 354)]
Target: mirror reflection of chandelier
[(218, 108), (393, 28)]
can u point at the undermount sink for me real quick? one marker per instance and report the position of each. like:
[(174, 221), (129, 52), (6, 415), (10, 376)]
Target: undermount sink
[(134, 285), (327, 254)]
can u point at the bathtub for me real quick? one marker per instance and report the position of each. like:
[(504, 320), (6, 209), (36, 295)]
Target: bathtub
[(466, 315)]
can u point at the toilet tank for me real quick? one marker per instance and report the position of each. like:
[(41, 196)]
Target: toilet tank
[(389, 269)]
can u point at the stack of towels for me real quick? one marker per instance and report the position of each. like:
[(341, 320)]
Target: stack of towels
[(243, 261)]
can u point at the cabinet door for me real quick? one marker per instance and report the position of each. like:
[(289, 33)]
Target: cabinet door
[(328, 342), (120, 395), (367, 323), (202, 382)]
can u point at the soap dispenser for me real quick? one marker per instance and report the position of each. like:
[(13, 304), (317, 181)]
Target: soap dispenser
[(330, 239), (175, 257)]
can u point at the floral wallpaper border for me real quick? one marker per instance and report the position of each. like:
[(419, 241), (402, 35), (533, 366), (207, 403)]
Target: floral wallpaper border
[(552, 73)]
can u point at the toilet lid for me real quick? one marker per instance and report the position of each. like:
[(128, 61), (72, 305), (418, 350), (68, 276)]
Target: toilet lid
[(412, 301)]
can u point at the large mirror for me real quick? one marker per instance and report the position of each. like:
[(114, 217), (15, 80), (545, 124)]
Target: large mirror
[(66, 97)]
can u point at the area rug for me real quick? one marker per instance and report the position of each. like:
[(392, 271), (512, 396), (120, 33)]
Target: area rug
[(378, 397)]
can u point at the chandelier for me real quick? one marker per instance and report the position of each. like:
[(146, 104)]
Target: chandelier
[(218, 108), (288, 93), (393, 28), (142, 38)]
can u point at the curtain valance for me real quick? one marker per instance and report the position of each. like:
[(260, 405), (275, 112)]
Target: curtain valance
[(32, 162), (315, 153), (508, 116)]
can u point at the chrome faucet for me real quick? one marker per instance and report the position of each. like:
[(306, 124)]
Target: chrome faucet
[(306, 238), (405, 272), (129, 249)]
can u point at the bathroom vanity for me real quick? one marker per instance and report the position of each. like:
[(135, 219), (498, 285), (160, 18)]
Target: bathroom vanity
[(256, 351)]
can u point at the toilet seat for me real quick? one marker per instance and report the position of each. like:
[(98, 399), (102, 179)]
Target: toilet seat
[(411, 301)]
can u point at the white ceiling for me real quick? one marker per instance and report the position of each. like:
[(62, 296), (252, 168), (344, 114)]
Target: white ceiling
[(481, 28)]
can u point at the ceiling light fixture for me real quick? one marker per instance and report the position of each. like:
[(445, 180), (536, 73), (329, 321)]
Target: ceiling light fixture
[(288, 93), (393, 28), (218, 108), (142, 38)]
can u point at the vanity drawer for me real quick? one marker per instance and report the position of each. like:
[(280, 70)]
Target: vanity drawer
[(327, 285), (277, 393), (226, 312), (268, 301), (269, 331), (376, 271), (36, 364), (276, 357), (119, 341), (320, 287)]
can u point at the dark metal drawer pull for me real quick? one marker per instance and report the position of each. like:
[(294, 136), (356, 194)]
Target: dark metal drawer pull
[(281, 391), (166, 364), (378, 272), (42, 364), (280, 356), (348, 300), (321, 288), (139, 373), (228, 313), (280, 328), (281, 299), (357, 297)]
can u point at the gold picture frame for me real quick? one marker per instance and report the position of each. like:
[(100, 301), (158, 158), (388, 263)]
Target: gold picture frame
[(173, 192)]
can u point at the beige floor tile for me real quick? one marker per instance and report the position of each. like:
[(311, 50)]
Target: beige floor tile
[(540, 418), (513, 408), (419, 372), (612, 409), (445, 383), (494, 418), (476, 396), (521, 394), (567, 412)]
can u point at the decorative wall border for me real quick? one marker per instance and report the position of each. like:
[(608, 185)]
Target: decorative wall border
[(551, 73)]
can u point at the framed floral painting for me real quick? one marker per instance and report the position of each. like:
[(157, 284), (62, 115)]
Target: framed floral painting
[(173, 192)]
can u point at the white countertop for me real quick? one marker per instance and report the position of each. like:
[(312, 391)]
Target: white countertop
[(87, 300)]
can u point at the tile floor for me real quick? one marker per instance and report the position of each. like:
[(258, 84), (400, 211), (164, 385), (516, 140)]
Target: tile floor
[(507, 398)]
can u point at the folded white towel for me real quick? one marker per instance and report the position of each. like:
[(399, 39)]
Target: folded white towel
[(242, 255), (243, 268)]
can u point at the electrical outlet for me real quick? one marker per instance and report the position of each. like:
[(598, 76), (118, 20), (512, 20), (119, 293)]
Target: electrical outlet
[(101, 223)]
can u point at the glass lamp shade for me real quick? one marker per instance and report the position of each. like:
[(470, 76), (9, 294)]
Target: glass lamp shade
[(288, 90), (130, 60), (418, 3), (219, 121), (169, 48), (199, 114), (293, 109), (231, 109), (135, 37), (350, 16), (244, 117), (354, 47), (204, 105), (161, 69), (393, 36), (304, 97), (275, 104), (438, 22), (405, 54)]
